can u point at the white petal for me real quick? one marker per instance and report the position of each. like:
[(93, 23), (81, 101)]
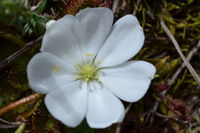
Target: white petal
[(47, 72), (60, 41), (125, 40), (104, 109), (129, 81), (49, 24), (69, 105), (92, 26)]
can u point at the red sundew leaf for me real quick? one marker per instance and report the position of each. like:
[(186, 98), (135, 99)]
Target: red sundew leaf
[(161, 87), (181, 106), (73, 6)]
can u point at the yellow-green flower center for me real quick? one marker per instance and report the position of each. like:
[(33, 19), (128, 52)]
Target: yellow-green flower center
[(88, 72)]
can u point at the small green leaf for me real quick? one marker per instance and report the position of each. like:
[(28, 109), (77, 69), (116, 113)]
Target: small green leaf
[(40, 7), (20, 128), (12, 38)]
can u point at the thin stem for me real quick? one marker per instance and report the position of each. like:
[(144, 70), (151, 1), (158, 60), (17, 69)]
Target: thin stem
[(136, 8), (175, 76), (20, 102), (115, 5), (118, 128), (191, 53), (7, 124), (27, 47), (176, 45), (20, 128)]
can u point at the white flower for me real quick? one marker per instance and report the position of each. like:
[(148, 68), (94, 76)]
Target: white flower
[(83, 70)]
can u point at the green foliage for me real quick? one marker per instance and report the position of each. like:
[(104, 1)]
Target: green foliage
[(21, 128), (13, 12), (12, 38), (21, 17)]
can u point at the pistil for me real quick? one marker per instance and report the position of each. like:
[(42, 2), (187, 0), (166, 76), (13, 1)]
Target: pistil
[(87, 72)]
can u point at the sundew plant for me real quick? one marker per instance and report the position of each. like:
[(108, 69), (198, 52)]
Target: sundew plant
[(99, 66)]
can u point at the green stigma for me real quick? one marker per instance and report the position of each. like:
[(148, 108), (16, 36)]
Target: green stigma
[(88, 72)]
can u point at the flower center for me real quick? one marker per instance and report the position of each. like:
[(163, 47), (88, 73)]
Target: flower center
[(88, 72)]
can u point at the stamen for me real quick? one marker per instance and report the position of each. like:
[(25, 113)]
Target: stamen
[(89, 54), (87, 72), (55, 69)]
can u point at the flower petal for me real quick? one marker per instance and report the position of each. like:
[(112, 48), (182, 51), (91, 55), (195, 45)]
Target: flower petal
[(60, 41), (125, 40), (92, 26), (69, 105), (49, 24), (129, 81), (47, 72), (104, 109)]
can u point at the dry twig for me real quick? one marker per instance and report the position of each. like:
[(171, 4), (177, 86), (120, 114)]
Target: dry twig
[(175, 76), (118, 128), (7, 124), (188, 65), (115, 5), (22, 101), (27, 47)]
